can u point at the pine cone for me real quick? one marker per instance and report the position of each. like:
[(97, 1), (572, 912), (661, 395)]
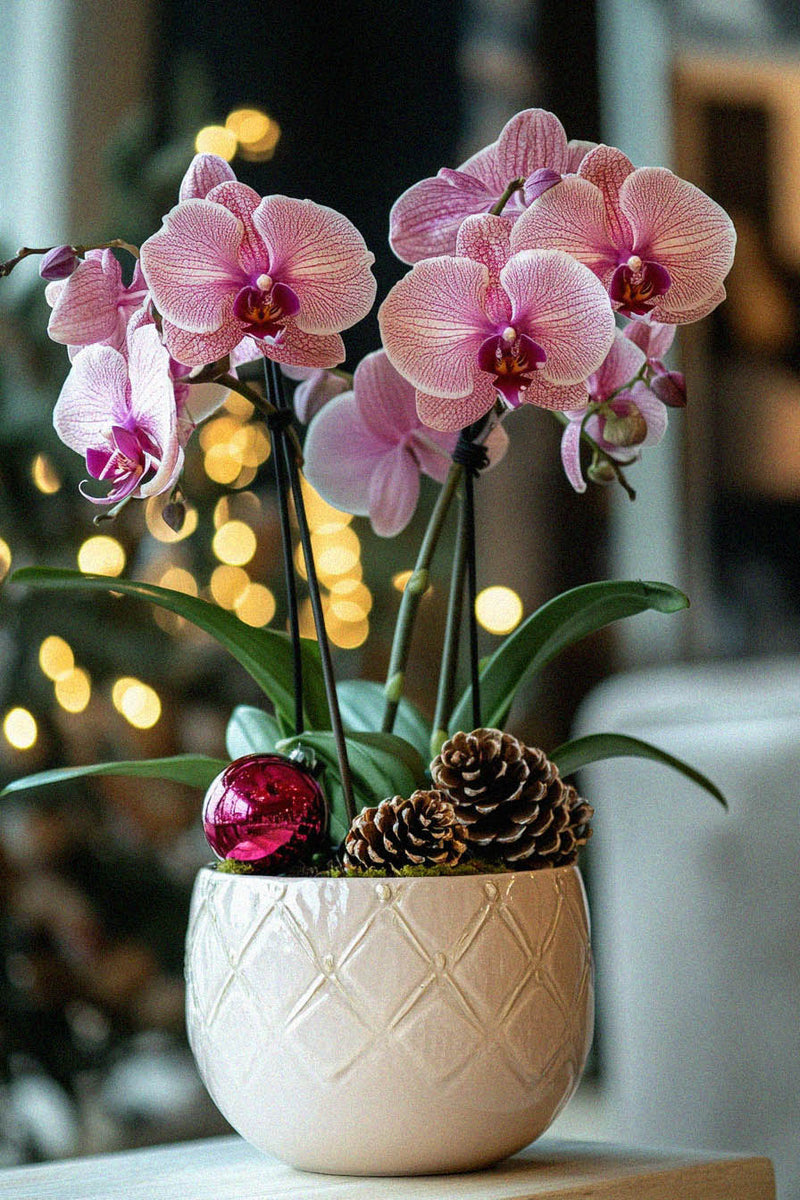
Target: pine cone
[(420, 831), (512, 800)]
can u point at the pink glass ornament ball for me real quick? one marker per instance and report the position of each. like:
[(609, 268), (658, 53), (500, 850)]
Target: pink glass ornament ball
[(267, 810)]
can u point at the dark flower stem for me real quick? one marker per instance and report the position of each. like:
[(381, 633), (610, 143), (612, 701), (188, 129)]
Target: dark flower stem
[(447, 674), (412, 594), (115, 244)]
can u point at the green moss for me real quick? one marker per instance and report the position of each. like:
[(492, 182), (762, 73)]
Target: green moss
[(475, 866), (232, 866)]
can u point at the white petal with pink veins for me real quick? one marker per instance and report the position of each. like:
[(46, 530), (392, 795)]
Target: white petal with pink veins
[(85, 307), (623, 361), (424, 221), (487, 240), (565, 309), (93, 398), (531, 139), (569, 217), (682, 229), (322, 257), (242, 201), (608, 168), (433, 324), (300, 349), (662, 312), (385, 399), (544, 394), (205, 172), (571, 452), (197, 349), (452, 415), (191, 265)]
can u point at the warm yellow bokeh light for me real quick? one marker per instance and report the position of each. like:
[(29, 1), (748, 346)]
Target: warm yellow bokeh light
[(401, 579), (218, 432), (44, 475), (216, 139), (256, 133), (5, 558), (101, 555), (347, 635), (336, 553), (220, 465), (159, 528), (137, 702), (56, 658), (179, 580), (222, 511), (498, 609), (234, 543), (74, 691), (239, 406), (228, 584), (322, 517), (350, 600), (20, 729), (256, 605)]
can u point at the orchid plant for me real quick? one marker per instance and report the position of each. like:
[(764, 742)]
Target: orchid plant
[(543, 272)]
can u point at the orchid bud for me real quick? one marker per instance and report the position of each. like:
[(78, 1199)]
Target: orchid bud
[(624, 429), (670, 389), (173, 514), (58, 263), (600, 470)]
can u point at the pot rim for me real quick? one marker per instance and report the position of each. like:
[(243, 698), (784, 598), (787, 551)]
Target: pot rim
[(257, 880)]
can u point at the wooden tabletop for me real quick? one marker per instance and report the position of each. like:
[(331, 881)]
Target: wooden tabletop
[(229, 1169)]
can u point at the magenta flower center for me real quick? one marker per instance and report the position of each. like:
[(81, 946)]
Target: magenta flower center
[(131, 455), (637, 283), (511, 358), (263, 308)]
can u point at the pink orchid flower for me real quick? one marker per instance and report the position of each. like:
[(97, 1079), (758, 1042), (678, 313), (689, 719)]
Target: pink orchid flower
[(366, 448), (121, 414), (490, 322), (205, 171), (623, 415), (655, 340), (424, 221), (276, 277), (93, 306), (314, 389), (661, 246)]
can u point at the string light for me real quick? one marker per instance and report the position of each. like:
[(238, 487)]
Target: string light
[(20, 728), (498, 609)]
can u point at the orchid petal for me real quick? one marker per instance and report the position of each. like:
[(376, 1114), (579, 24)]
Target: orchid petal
[(486, 240), (385, 399), (433, 450), (424, 221), (152, 404), (191, 266), (654, 412), (564, 308), (608, 168), (432, 325), (317, 386), (544, 394), (652, 337), (242, 201), (571, 452), (300, 349), (532, 138), (447, 414), (93, 398), (623, 361), (198, 349), (205, 172), (673, 316), (682, 229), (85, 308), (341, 453), (393, 492), (569, 217), (576, 152), (322, 257)]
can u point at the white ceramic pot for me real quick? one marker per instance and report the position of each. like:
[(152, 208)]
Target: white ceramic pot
[(393, 1026)]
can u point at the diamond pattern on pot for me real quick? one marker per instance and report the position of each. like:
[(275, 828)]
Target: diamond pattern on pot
[(447, 978)]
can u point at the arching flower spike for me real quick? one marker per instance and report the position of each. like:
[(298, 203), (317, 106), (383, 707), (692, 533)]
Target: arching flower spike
[(93, 306)]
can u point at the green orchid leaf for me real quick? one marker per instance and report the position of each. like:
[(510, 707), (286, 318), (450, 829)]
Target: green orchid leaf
[(251, 731), (362, 703), (545, 633), (197, 770), (266, 654), (596, 747), (381, 764)]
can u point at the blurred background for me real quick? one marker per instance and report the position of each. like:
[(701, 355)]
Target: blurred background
[(102, 106)]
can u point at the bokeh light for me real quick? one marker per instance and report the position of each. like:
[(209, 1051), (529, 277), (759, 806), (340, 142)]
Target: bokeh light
[(159, 529), (44, 475), (234, 543), (73, 691), (401, 578), (257, 134), (20, 728), (228, 584), (498, 609), (216, 139), (5, 558), (137, 702), (56, 658), (101, 555), (256, 605)]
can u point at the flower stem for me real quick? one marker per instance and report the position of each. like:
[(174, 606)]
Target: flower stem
[(452, 630), (516, 185), (412, 594), (589, 441), (115, 244)]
